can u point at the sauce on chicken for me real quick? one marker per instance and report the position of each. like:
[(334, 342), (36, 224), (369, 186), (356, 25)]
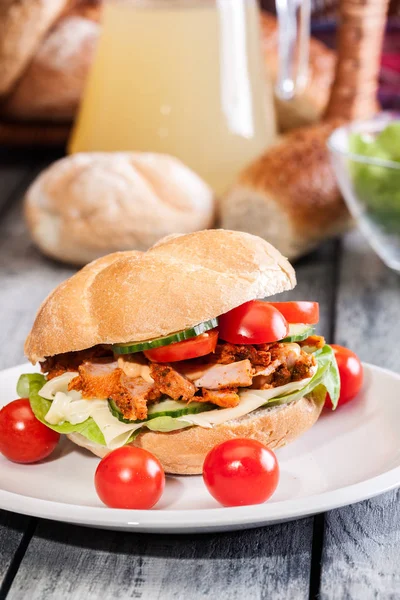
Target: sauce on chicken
[(133, 382)]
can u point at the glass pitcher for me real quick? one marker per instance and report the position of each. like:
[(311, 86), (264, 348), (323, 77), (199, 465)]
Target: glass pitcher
[(186, 77)]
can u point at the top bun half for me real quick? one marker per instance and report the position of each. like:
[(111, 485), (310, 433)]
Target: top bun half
[(134, 296)]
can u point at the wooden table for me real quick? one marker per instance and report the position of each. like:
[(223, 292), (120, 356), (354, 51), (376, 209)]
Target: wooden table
[(348, 553)]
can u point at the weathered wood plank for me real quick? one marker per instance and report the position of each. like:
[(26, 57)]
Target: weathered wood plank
[(361, 549), (315, 281), (26, 278), (12, 530), (368, 305), (90, 564)]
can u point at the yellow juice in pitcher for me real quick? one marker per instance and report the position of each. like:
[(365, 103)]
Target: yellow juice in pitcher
[(182, 78)]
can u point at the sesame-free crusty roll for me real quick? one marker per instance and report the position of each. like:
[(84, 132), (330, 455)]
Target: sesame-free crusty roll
[(23, 25), (90, 204), (51, 86), (180, 282), (134, 296)]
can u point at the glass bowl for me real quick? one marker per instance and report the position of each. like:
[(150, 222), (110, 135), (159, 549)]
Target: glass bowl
[(370, 185)]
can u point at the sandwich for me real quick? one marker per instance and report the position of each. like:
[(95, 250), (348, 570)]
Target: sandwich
[(175, 350)]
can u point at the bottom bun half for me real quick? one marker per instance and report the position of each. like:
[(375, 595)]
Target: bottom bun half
[(183, 452)]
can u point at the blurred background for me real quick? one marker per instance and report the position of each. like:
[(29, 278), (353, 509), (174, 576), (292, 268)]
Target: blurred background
[(324, 25), (179, 115), (50, 84)]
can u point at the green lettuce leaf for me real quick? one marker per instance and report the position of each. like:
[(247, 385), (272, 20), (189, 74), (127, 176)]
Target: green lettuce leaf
[(25, 381), (377, 186), (326, 379), (29, 386)]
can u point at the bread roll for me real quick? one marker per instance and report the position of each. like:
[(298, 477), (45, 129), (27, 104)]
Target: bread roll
[(289, 195), (51, 87), (307, 106), (183, 451), (178, 284), (88, 205), (23, 25), (88, 9)]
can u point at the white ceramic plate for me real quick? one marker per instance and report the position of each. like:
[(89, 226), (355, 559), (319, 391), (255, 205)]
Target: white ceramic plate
[(348, 456)]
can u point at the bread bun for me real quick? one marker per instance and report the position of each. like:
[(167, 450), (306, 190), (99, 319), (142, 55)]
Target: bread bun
[(51, 87), (23, 25), (89, 9), (308, 105), (178, 284), (183, 452), (289, 195), (88, 205)]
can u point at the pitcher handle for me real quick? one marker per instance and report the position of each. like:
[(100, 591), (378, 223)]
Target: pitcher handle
[(292, 78)]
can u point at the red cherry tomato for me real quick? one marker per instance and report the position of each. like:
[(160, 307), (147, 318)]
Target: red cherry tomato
[(241, 472), (130, 478), (198, 346), (254, 322), (298, 312), (24, 439), (351, 374)]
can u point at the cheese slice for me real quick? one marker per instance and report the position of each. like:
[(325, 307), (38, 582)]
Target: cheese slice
[(57, 384), (249, 400), (116, 433), (67, 408), (71, 407)]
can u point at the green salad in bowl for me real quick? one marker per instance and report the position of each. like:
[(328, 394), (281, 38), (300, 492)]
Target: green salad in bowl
[(378, 184), (366, 158)]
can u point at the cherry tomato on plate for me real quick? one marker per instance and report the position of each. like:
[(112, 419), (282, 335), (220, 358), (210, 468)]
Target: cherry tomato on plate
[(351, 374), (239, 472), (198, 346), (298, 312), (254, 322), (23, 438), (130, 478)]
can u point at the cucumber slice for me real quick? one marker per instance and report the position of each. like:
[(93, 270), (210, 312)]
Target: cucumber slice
[(179, 336), (114, 410), (165, 408), (172, 408), (298, 332)]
